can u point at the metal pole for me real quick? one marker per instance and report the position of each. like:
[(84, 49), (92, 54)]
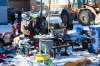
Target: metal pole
[(40, 48), (41, 9), (49, 16)]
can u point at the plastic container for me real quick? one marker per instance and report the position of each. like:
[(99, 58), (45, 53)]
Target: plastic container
[(96, 29), (79, 29)]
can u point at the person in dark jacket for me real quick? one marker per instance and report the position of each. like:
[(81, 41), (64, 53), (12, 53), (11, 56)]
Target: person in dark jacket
[(19, 18), (67, 19), (12, 18), (67, 24), (41, 25)]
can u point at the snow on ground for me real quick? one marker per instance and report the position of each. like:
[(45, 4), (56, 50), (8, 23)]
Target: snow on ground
[(20, 60), (5, 28), (54, 19), (59, 61)]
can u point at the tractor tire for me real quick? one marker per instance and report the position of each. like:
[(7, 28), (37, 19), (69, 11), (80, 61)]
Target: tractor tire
[(86, 17)]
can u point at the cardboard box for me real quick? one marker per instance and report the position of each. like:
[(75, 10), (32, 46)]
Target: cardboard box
[(82, 62)]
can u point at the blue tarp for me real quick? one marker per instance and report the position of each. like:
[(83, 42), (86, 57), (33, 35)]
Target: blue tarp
[(5, 28), (3, 15), (3, 2)]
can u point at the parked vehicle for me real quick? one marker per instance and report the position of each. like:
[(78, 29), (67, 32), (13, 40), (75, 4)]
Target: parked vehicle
[(85, 11)]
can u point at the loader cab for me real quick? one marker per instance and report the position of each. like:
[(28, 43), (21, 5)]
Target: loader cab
[(80, 3)]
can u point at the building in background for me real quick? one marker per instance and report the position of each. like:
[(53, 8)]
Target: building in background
[(55, 5), (26, 5), (21, 4)]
